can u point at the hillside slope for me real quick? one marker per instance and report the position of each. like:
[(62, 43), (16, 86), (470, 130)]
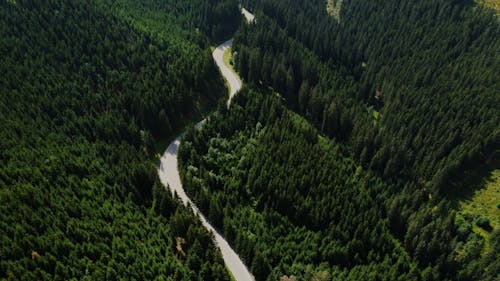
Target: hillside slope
[(410, 90), (85, 90)]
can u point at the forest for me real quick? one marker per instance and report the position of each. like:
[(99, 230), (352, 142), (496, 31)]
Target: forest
[(342, 158), (294, 203), (402, 100), (86, 89), (437, 59)]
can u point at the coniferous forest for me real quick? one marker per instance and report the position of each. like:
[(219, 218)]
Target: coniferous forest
[(352, 172), (86, 87), (354, 151)]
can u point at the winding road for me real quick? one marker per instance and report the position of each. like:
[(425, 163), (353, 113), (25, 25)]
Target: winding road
[(169, 173), (231, 77)]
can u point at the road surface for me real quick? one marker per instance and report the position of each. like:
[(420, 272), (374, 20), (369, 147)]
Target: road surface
[(247, 15), (169, 173), (231, 77)]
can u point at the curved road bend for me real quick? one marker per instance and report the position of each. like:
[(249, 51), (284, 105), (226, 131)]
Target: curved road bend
[(231, 77), (169, 173)]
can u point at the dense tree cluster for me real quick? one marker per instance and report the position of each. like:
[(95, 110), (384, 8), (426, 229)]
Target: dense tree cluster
[(408, 89), (427, 70), (391, 102), (411, 87), (217, 19), (293, 202), (85, 87), (250, 170)]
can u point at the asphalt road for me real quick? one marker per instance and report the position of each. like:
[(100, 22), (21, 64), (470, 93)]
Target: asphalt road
[(169, 173), (231, 77)]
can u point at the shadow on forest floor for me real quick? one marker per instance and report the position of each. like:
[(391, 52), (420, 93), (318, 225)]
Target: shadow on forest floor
[(473, 180), (477, 196)]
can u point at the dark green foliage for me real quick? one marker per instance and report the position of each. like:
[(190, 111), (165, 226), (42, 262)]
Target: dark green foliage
[(409, 87), (293, 202), (429, 71), (484, 223), (84, 91), (260, 267), (217, 19)]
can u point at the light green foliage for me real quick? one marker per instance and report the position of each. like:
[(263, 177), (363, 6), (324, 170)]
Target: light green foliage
[(481, 208), (494, 4), (485, 200)]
